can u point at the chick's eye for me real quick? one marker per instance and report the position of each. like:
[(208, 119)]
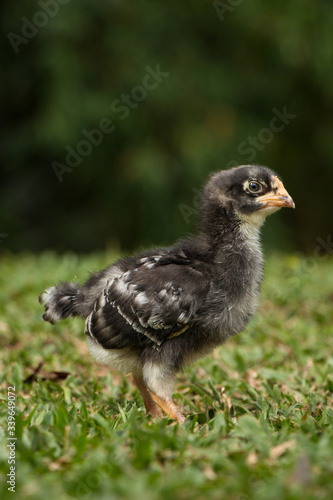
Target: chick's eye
[(254, 187)]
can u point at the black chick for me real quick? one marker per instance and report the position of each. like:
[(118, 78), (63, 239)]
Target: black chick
[(150, 315)]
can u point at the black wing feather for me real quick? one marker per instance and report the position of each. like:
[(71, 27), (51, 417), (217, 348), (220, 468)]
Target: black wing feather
[(150, 303)]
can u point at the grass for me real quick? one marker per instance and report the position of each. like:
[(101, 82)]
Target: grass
[(260, 419)]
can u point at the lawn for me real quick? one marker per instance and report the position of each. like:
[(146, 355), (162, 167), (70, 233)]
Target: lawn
[(259, 410)]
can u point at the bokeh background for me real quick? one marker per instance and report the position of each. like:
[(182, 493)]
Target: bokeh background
[(228, 68)]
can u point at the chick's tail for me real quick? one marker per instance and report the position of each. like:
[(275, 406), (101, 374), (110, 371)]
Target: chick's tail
[(64, 300)]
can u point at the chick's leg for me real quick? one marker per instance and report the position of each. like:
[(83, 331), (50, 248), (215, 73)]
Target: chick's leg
[(159, 379), (151, 407), (169, 408)]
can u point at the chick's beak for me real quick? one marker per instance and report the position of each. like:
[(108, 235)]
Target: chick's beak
[(278, 198)]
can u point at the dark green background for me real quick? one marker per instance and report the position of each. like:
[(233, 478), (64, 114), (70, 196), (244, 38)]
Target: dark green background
[(229, 67)]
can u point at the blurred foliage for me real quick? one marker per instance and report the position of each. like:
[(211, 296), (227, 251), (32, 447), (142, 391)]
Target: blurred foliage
[(230, 65)]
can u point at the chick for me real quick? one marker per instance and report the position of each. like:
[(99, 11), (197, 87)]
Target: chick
[(152, 314)]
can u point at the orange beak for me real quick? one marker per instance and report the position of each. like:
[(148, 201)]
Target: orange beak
[(280, 198)]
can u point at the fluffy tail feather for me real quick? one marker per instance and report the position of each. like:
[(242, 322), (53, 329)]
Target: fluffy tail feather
[(64, 300)]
